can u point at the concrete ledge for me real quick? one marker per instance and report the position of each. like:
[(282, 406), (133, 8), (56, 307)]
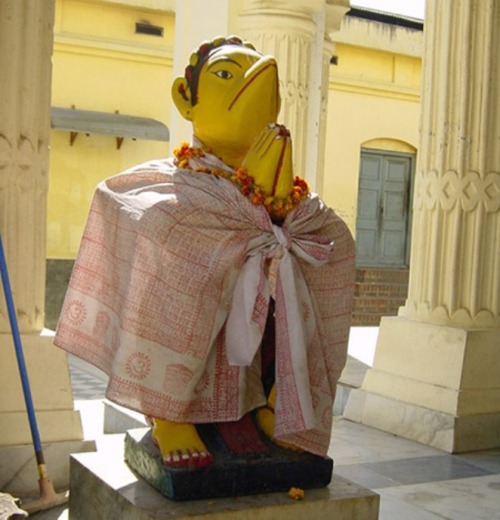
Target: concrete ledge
[(103, 487)]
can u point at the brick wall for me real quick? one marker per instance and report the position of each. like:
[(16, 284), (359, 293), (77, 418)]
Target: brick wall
[(377, 293)]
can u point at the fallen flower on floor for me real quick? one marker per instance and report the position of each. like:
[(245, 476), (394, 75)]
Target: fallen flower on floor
[(296, 493)]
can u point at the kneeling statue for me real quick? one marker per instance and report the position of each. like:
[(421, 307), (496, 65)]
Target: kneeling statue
[(213, 286)]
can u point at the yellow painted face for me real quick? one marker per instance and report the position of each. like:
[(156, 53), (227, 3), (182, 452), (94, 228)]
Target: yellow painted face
[(237, 97)]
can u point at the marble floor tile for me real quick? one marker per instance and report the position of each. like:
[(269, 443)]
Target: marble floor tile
[(395, 509), (425, 469), (354, 443), (85, 388), (415, 482), (87, 382), (489, 460), (364, 476), (476, 498)]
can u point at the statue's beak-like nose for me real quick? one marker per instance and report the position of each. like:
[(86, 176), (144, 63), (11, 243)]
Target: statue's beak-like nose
[(260, 85)]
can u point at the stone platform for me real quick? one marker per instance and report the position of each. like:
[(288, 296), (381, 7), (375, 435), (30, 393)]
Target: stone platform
[(104, 487)]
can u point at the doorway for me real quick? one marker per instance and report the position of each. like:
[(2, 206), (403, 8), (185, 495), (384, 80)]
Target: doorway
[(383, 216)]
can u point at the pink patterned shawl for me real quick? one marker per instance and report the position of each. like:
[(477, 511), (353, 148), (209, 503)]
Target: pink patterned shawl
[(170, 292)]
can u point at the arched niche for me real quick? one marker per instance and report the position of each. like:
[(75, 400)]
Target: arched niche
[(389, 145)]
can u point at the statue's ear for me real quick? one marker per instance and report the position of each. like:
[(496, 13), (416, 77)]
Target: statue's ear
[(182, 97)]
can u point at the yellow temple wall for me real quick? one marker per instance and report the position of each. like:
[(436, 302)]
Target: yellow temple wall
[(374, 102), (101, 64)]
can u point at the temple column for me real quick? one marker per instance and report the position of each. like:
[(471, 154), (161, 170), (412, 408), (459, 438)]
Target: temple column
[(297, 34), (25, 83), (436, 372)]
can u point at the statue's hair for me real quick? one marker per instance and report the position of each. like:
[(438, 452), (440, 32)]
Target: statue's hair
[(198, 59)]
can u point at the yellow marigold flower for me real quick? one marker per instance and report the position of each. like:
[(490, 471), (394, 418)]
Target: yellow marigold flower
[(296, 493), (257, 198), (277, 207), (241, 173)]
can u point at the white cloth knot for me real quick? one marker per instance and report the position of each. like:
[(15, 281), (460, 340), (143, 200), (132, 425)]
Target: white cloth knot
[(248, 312), (282, 236)]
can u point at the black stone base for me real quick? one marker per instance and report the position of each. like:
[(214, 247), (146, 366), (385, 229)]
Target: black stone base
[(271, 470)]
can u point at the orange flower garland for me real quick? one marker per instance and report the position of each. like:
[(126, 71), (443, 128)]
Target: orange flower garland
[(277, 207)]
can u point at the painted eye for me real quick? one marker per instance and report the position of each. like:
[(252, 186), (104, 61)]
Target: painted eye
[(224, 74)]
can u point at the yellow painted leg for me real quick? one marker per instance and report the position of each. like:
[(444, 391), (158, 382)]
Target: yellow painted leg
[(179, 444), (265, 418)]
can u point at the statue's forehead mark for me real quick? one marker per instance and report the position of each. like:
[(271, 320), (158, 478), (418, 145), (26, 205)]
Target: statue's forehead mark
[(223, 59)]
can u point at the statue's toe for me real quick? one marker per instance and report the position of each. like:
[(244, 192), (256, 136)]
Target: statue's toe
[(187, 459)]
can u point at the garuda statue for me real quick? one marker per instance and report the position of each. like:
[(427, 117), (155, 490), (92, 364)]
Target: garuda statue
[(213, 287)]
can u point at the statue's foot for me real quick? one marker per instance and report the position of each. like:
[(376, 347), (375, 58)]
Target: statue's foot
[(179, 444), (265, 418)]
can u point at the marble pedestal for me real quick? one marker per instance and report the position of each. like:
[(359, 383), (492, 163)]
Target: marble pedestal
[(433, 384), (59, 424), (103, 487)]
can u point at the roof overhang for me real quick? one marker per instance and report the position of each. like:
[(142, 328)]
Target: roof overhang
[(121, 126)]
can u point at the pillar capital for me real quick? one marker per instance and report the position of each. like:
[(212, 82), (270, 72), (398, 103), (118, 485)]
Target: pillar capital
[(335, 12), (298, 35), (334, 9), (309, 7)]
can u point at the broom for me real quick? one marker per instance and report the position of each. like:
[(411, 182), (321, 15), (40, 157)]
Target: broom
[(48, 497)]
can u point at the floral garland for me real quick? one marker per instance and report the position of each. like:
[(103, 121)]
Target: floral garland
[(277, 207)]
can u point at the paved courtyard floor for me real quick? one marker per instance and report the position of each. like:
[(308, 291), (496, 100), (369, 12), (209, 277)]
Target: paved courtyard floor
[(415, 482)]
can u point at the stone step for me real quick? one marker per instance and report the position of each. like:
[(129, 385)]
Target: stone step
[(377, 293), (395, 276)]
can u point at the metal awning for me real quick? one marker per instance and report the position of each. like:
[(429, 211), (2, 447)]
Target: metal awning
[(121, 126)]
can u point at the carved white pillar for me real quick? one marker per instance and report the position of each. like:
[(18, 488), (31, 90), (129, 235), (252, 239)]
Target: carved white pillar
[(297, 34), (455, 262), (25, 84), (437, 365)]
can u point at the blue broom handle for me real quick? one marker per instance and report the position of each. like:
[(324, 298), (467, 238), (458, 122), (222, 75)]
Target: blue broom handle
[(20, 356)]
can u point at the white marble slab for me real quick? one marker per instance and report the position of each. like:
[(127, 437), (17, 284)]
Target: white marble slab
[(354, 443), (392, 508), (476, 498)]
